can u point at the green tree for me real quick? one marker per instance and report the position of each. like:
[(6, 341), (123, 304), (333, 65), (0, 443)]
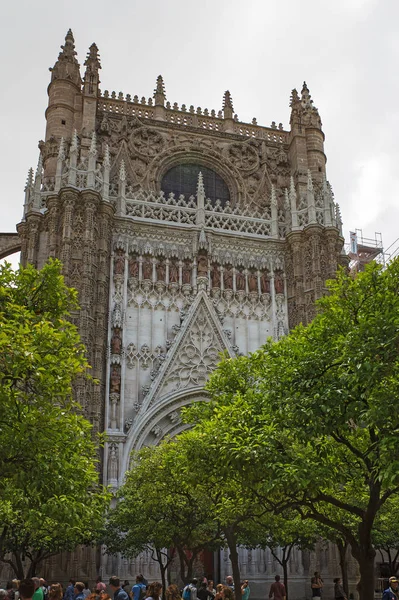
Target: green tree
[(281, 534), (159, 507), (50, 498), (316, 413), (386, 535)]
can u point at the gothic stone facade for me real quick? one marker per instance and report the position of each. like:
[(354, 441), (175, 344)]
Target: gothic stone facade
[(187, 233)]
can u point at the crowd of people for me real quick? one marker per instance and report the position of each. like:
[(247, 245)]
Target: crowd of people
[(37, 589)]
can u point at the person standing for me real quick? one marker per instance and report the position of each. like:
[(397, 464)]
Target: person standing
[(139, 589), (69, 592), (391, 593), (277, 589), (245, 590), (38, 595), (339, 592), (26, 589), (79, 587), (316, 585), (115, 585)]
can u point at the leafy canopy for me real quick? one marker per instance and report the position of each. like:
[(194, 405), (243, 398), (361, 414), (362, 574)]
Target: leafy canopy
[(50, 496)]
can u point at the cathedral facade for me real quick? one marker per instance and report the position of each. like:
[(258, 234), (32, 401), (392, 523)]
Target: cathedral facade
[(187, 234)]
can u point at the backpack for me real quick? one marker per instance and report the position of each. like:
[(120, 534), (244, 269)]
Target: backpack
[(187, 593)]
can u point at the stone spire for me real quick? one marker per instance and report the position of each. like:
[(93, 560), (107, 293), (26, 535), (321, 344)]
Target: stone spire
[(306, 98), (228, 109), (159, 92), (67, 66), (91, 78)]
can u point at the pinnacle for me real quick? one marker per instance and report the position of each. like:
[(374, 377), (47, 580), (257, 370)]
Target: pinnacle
[(294, 97), (227, 100), (93, 58), (160, 87), (200, 184), (68, 49)]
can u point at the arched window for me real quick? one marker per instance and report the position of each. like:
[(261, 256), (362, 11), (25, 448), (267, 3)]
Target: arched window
[(183, 179)]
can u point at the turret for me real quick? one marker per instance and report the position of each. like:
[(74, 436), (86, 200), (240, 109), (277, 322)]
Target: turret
[(63, 114), (306, 140)]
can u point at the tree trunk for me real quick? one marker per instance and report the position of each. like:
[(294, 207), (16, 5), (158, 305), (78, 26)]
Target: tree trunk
[(342, 549), (285, 573), (162, 568), (232, 544), (365, 558)]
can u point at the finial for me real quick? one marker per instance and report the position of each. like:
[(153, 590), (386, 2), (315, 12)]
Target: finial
[(287, 205), (200, 184), (74, 142), (228, 101), (68, 49), (310, 182), (306, 99), (202, 241), (61, 150), (274, 196), (122, 171), (93, 144), (29, 180), (160, 87), (107, 158), (39, 167), (92, 61), (294, 97)]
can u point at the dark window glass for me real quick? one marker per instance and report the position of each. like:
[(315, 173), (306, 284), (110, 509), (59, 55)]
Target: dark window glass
[(183, 179)]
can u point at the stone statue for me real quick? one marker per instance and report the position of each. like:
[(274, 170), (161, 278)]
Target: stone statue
[(279, 283), (119, 263), (115, 383), (215, 277), (116, 341), (202, 269), (113, 462), (265, 284), (252, 282), (186, 273), (228, 279), (133, 268), (161, 271), (240, 281), (147, 270), (173, 273)]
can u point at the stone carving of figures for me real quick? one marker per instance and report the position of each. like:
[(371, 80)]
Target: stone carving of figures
[(161, 270), (215, 276), (116, 341), (133, 268), (202, 266), (147, 269), (186, 273), (115, 380), (119, 263), (240, 280), (279, 283), (113, 462), (173, 273), (228, 279), (252, 282), (264, 284)]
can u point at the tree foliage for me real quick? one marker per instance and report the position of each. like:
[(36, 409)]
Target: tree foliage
[(312, 420), (50, 499), (158, 507)]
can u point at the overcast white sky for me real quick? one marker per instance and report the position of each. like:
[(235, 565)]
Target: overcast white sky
[(346, 50)]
